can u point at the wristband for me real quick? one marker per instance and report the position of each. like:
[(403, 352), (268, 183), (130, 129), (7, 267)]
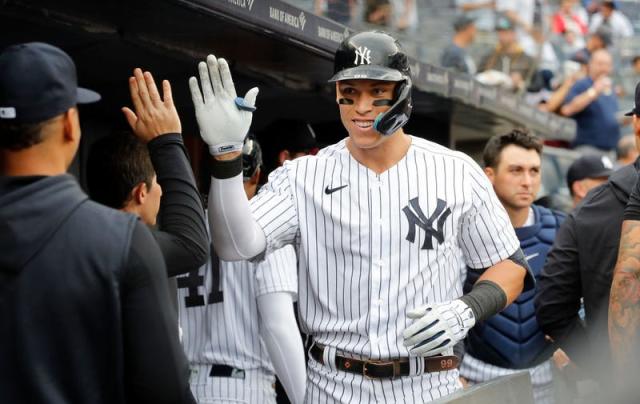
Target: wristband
[(485, 299), (224, 169)]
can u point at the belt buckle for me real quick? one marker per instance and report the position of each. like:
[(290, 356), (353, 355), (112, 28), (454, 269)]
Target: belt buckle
[(395, 364)]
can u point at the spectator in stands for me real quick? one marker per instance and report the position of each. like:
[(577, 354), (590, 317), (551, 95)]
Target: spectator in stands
[(511, 341), (337, 10), (594, 105), (586, 173), (84, 309), (377, 12), (481, 11), (600, 39), (573, 71), (580, 267), (566, 18), (567, 22), (521, 13), (404, 15), (508, 57), (455, 56), (617, 22), (627, 150)]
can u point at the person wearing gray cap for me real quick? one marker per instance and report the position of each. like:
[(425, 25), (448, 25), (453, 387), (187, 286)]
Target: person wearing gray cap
[(455, 56), (84, 305), (508, 56)]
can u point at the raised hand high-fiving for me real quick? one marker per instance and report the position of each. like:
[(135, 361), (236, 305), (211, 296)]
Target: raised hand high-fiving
[(154, 115), (223, 117)]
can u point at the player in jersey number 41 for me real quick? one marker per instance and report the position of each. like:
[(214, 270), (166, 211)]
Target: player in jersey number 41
[(382, 222)]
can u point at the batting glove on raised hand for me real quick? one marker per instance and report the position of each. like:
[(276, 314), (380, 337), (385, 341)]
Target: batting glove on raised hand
[(223, 117), (437, 327)]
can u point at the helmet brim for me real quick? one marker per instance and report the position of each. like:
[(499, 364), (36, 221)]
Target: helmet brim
[(368, 72)]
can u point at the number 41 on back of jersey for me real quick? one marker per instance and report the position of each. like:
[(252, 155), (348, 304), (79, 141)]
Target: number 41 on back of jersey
[(193, 281)]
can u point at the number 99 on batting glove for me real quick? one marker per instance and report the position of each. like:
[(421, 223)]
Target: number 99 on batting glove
[(223, 117), (437, 327)]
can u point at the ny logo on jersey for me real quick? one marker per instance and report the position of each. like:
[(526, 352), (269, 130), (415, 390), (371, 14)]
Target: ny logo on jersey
[(363, 55), (420, 220)]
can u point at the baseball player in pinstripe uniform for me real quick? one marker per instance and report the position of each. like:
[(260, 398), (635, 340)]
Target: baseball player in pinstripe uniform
[(237, 316), (381, 221)]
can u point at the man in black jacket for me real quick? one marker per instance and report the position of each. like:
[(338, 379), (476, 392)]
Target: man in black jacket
[(153, 180), (580, 266), (84, 306)]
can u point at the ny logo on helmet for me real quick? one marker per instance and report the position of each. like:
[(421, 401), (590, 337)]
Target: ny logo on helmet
[(363, 56), (420, 220)]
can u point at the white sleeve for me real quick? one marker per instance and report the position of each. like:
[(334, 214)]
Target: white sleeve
[(596, 21), (275, 210), (280, 334), (234, 232), (278, 272), (486, 235), (626, 26)]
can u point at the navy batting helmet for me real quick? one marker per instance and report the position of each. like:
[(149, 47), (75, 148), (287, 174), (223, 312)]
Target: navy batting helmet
[(251, 157), (376, 55)]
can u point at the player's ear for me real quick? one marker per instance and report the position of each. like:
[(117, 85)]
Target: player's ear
[(139, 193), (578, 189), (490, 173)]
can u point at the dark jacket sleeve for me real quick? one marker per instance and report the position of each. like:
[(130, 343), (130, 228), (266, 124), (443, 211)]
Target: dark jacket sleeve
[(559, 290), (182, 228), (156, 370)]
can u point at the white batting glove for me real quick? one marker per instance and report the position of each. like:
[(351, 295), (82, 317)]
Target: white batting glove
[(438, 327), (223, 117)]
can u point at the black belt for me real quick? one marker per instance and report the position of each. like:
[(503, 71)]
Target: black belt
[(226, 371), (378, 369)]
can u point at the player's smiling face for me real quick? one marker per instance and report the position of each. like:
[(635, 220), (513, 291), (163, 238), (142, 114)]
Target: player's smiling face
[(358, 113)]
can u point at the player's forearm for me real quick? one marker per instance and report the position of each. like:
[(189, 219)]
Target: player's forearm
[(509, 276), (185, 244), (234, 232), (624, 303), (279, 331)]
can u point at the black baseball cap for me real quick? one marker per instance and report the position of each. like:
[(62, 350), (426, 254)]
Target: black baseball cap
[(636, 107), (37, 82), (589, 166)]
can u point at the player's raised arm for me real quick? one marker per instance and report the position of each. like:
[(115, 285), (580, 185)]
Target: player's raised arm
[(224, 120)]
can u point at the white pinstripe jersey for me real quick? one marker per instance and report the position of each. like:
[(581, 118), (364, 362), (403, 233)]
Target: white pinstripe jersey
[(371, 247), (218, 309)]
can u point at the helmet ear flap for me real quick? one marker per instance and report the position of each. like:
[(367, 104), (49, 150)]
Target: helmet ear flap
[(397, 116)]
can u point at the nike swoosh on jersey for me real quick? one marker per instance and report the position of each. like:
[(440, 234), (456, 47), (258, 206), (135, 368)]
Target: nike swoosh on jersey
[(532, 256), (329, 191)]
